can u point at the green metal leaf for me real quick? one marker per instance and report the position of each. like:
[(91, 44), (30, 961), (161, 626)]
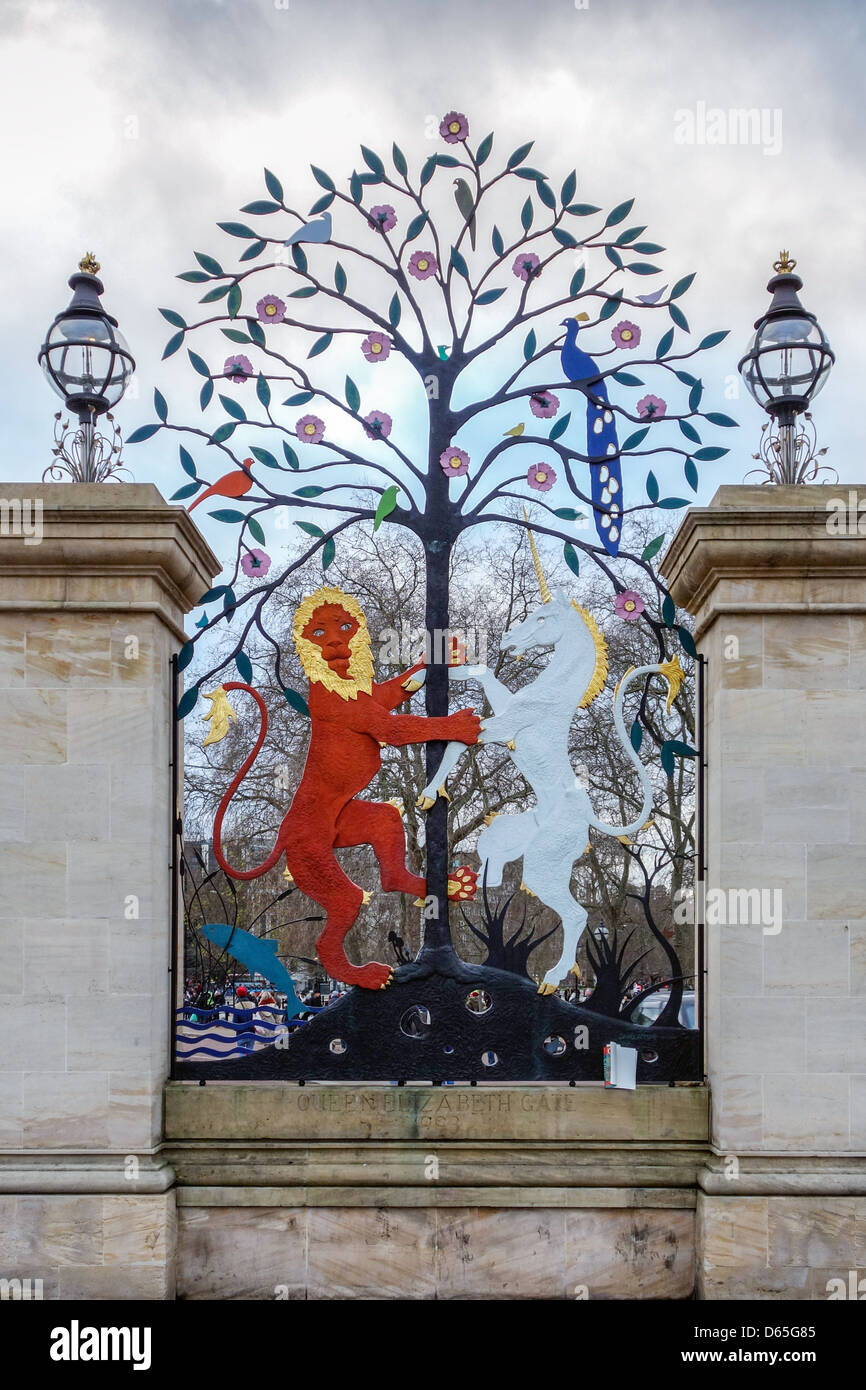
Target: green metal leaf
[(172, 346), (186, 462), (394, 310), (568, 188), (143, 432), (570, 556), (256, 332), (682, 285), (713, 452), (194, 277), (310, 491), (634, 439), (689, 431), (206, 394), (671, 503), (187, 490), (373, 162), (171, 317), (329, 550), (255, 530), (416, 226), (691, 474), (310, 528), (301, 398), (483, 151), (264, 457), (568, 514), (643, 268), (187, 702), (291, 456), (610, 307), (321, 204), (679, 318), (563, 237), (299, 256), (399, 159), (323, 179), (669, 611), (620, 213), (519, 155), (261, 207), (561, 426), (613, 256), (228, 515), (713, 339), (305, 292), (254, 249), (353, 395), (428, 170), (458, 263), (263, 390), (695, 395), (320, 345), (339, 279), (208, 263), (223, 433), (577, 280), (489, 296), (665, 344), (724, 420), (235, 335), (628, 236), (529, 345), (237, 229), (233, 408), (545, 193), (273, 185), (233, 303), (245, 667), (582, 209), (497, 242), (297, 702), (636, 736), (198, 363), (687, 642), (653, 548), (213, 295), (652, 487), (159, 404), (626, 379)]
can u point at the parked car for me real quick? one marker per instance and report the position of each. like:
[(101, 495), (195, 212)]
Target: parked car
[(649, 1009)]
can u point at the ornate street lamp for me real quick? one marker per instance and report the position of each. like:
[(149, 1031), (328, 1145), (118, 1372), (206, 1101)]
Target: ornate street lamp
[(784, 367), (88, 363)]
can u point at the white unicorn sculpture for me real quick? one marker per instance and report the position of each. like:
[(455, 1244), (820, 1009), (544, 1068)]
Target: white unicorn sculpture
[(534, 724)]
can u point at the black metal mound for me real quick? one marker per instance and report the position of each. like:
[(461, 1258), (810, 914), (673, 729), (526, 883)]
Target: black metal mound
[(472, 1023)]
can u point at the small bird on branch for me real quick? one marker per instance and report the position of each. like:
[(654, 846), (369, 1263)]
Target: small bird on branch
[(236, 484)]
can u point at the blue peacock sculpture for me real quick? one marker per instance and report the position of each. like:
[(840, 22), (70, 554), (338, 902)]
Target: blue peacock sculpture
[(602, 445)]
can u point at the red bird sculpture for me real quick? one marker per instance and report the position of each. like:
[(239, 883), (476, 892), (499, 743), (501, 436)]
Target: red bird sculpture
[(235, 484)]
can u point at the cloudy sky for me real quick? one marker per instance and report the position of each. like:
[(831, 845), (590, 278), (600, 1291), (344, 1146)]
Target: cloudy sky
[(131, 128)]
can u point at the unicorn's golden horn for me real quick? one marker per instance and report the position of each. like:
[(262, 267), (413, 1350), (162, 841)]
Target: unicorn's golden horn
[(542, 582)]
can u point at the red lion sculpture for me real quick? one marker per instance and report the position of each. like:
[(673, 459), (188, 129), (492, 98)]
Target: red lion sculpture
[(352, 720)]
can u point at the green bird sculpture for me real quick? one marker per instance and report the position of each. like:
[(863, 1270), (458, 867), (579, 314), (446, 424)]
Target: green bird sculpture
[(466, 203)]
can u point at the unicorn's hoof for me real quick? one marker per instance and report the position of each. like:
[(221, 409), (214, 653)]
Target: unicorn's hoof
[(420, 902), (443, 792), (425, 803), (367, 897), (546, 989)]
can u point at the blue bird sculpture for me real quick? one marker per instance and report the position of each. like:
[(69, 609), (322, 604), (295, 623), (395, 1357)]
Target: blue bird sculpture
[(602, 445), (319, 230)]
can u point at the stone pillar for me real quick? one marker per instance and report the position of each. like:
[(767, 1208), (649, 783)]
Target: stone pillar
[(89, 617), (779, 598)]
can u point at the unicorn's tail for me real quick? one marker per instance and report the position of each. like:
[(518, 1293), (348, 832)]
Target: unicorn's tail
[(674, 675)]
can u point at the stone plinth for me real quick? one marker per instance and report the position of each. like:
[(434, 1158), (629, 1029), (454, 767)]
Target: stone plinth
[(90, 614), (779, 598)]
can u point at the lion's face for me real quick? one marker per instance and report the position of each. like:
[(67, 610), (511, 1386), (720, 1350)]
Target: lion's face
[(333, 643), (331, 629)]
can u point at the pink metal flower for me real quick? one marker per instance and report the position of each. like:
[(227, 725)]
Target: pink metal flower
[(454, 127), (423, 264), (651, 407), (383, 217), (541, 477), (629, 605), (526, 265), (271, 309), (256, 563), (625, 334), (238, 368), (377, 424), (310, 429), (376, 347), (544, 404), (454, 462)]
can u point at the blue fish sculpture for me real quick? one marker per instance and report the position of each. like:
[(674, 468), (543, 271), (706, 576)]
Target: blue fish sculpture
[(259, 955)]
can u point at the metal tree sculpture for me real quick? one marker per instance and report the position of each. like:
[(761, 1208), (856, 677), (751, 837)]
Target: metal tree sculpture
[(418, 297)]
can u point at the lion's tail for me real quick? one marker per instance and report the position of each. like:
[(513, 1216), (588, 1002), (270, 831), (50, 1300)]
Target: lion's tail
[(276, 852)]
